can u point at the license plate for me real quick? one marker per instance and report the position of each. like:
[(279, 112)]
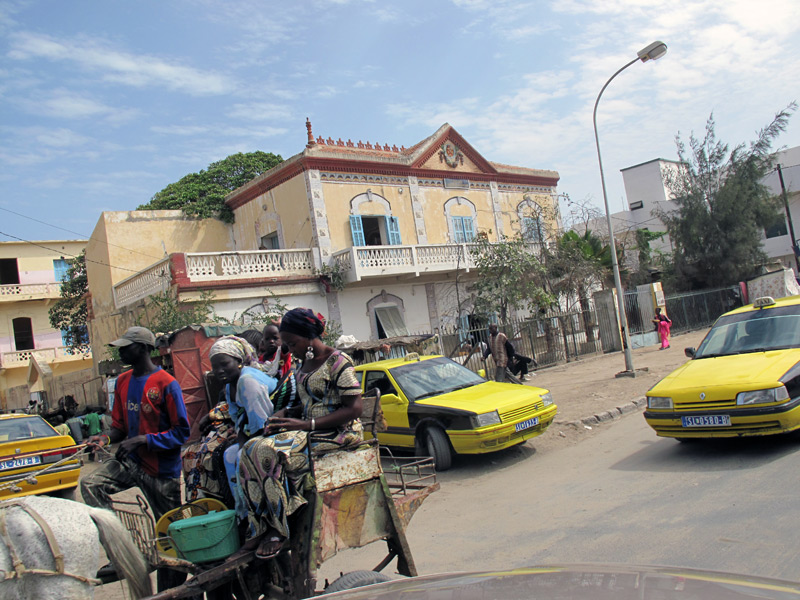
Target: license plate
[(707, 421), (527, 424), (18, 463)]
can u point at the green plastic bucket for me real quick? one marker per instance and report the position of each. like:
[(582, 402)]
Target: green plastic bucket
[(206, 537)]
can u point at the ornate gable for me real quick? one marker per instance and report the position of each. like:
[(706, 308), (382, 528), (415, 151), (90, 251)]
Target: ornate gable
[(448, 151)]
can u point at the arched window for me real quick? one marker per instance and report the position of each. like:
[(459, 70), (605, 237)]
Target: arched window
[(531, 225), (387, 316), (23, 333), (373, 230), (461, 225)]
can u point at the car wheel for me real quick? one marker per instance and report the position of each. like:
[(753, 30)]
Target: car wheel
[(438, 446), (356, 579)]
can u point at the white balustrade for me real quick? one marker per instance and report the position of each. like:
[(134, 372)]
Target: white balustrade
[(221, 266), (152, 280), (21, 358), (15, 291)]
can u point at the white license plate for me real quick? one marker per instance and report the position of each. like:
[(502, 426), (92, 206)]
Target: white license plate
[(527, 424), (708, 421), (17, 463)]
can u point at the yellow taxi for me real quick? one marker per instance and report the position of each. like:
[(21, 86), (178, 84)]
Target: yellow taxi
[(28, 445), (440, 408), (743, 380)]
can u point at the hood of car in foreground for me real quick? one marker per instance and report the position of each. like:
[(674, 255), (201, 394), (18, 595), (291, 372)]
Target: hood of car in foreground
[(580, 582), (750, 371), (487, 396)]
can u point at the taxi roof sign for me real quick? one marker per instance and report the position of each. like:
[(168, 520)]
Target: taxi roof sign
[(763, 301)]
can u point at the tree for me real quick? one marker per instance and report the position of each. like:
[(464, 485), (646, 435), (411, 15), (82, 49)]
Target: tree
[(203, 194), (722, 206), (69, 312), (508, 277)]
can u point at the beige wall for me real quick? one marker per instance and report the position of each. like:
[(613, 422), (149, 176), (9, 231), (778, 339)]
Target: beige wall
[(283, 209)]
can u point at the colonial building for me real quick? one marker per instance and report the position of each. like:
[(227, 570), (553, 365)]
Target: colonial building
[(32, 353), (373, 236)]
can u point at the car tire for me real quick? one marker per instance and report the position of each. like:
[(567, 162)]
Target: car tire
[(437, 445), (356, 579)]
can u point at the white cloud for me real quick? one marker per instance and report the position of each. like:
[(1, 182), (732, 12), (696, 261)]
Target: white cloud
[(259, 111), (119, 67)]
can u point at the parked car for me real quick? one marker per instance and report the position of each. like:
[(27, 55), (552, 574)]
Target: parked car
[(440, 408), (29, 444), (743, 380)]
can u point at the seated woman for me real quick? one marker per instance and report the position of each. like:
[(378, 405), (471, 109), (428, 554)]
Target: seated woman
[(247, 392), (272, 469)]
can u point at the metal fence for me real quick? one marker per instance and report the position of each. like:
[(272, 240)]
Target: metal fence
[(697, 310)]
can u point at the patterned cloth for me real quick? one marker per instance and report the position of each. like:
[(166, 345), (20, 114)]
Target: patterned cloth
[(274, 470), (202, 461)]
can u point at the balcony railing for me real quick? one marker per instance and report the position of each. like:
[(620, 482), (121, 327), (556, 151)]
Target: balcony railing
[(225, 266), (29, 291), (44, 355), (152, 280), (375, 261)]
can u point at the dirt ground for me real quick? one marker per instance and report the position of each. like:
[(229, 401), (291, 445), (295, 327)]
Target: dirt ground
[(581, 389)]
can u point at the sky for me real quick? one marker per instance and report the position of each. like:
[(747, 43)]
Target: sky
[(103, 103)]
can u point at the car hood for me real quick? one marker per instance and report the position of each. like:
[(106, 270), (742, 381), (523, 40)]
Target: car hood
[(487, 396), (580, 582), (739, 372)]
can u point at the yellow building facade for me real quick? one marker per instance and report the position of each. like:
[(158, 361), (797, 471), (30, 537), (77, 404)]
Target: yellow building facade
[(30, 283)]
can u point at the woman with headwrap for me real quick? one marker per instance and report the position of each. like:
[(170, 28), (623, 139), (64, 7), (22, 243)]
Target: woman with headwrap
[(247, 392), (273, 469)]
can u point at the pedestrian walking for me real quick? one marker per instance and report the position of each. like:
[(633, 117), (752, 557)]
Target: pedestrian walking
[(663, 324), (497, 348)]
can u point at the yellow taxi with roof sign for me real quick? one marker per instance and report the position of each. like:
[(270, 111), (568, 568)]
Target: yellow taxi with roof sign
[(743, 379), (441, 408)]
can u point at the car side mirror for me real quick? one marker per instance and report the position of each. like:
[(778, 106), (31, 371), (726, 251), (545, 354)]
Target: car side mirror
[(690, 352)]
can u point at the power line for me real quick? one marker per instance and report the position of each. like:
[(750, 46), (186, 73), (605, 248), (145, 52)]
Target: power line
[(61, 252), (78, 233)]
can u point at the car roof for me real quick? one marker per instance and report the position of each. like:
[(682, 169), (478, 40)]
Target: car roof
[(390, 363), (17, 416), (787, 301)]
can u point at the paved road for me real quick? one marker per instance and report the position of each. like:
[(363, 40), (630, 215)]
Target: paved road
[(622, 495)]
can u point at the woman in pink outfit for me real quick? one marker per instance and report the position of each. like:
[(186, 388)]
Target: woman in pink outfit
[(663, 324)]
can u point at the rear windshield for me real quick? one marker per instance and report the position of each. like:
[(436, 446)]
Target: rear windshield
[(753, 331), (24, 428)]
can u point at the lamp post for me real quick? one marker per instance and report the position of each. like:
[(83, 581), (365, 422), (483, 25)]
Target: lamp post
[(652, 52)]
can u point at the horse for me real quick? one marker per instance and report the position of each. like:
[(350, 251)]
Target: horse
[(50, 549)]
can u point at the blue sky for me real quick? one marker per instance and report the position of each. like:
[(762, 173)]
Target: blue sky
[(103, 103)]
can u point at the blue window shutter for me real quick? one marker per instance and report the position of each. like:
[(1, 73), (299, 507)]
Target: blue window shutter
[(458, 230), (393, 229), (357, 230), (469, 232), (60, 266)]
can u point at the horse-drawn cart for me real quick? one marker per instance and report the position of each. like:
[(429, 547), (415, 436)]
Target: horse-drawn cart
[(361, 497)]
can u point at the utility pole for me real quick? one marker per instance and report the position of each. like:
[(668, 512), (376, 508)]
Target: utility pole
[(789, 219)]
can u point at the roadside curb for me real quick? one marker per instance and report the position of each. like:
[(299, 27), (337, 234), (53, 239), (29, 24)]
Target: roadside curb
[(606, 415)]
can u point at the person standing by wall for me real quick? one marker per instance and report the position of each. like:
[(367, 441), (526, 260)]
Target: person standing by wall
[(663, 324), (497, 348)]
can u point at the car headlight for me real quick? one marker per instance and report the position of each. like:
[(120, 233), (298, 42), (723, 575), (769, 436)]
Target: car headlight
[(659, 402), (547, 399), (762, 396), (490, 418)]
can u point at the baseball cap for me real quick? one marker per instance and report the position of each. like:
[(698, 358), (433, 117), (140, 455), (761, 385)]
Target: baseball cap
[(140, 335)]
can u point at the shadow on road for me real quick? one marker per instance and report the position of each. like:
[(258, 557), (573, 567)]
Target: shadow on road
[(668, 455)]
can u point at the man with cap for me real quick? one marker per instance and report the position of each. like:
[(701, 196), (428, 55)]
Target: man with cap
[(149, 419)]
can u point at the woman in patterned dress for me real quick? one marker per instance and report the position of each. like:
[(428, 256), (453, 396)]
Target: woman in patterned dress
[(273, 469)]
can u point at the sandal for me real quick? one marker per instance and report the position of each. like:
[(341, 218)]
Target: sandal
[(269, 547)]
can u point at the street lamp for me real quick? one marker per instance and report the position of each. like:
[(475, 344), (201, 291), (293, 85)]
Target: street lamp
[(652, 52)]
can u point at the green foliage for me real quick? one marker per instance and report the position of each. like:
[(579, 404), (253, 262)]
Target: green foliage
[(722, 207), (645, 255), (333, 329), (165, 313), (203, 194), (69, 312), (334, 274), (509, 277)]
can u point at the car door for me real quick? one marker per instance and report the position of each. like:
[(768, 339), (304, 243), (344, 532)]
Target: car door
[(395, 410)]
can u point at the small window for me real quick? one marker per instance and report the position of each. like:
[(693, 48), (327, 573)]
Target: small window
[(532, 229), (637, 205), (270, 242), (23, 333), (777, 230), (61, 268), (390, 322), (375, 231), (463, 230)]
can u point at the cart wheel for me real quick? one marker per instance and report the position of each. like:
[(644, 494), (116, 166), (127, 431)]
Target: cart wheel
[(438, 446), (356, 579)]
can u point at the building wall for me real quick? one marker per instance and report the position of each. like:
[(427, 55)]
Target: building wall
[(124, 243), (357, 319)]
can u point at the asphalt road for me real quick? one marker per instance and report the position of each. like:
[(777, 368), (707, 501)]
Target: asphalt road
[(622, 495)]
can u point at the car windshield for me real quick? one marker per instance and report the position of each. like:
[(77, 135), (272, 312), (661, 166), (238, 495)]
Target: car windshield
[(24, 428), (426, 378), (753, 331)]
